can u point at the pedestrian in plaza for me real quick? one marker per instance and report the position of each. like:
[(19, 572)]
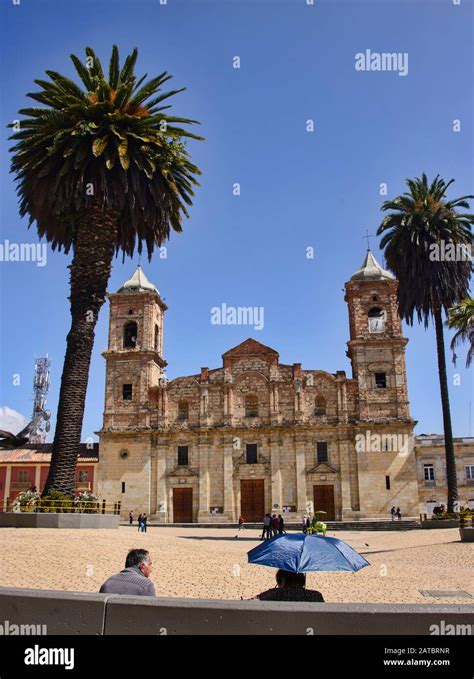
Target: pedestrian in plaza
[(130, 516), (144, 521), (140, 519), (241, 525), (281, 525), (304, 523), (399, 514), (267, 519), (274, 524), (393, 512), (134, 578)]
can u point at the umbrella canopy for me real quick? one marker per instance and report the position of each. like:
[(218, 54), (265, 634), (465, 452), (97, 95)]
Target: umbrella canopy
[(302, 553)]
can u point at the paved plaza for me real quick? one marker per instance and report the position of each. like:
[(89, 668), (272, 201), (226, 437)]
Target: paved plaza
[(211, 563)]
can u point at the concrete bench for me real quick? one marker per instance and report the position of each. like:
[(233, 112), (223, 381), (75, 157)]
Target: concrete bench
[(66, 613)]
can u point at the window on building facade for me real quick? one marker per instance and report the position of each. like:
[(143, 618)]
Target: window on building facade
[(130, 333), (251, 406), (470, 472), (83, 476), (127, 391), (387, 482), (157, 338), (23, 476), (320, 405), (381, 380), (428, 471), (251, 453), (183, 456), (183, 410), (322, 451)]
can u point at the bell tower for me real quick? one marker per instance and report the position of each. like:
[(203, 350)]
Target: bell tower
[(377, 347), (134, 357)]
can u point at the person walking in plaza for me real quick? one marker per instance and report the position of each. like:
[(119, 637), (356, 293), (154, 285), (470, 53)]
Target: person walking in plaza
[(134, 578), (304, 523), (399, 514), (281, 525), (240, 525), (140, 519), (274, 524), (130, 516), (393, 512), (144, 520), (266, 527)]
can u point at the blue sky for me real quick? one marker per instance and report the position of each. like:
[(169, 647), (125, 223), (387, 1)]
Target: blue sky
[(298, 189)]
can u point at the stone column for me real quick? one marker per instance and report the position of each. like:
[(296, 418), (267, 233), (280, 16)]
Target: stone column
[(301, 492), (204, 481), (344, 456), (277, 489), (341, 396), (229, 503), (162, 508)]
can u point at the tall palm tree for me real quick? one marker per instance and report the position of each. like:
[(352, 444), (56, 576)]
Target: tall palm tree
[(420, 226), (100, 169), (461, 319)]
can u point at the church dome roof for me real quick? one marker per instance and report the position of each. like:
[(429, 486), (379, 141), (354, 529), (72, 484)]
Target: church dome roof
[(138, 283), (371, 270)]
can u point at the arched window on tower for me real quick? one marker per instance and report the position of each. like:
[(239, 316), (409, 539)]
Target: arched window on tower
[(157, 338), (130, 333), (376, 318), (320, 405), (183, 410), (251, 405)]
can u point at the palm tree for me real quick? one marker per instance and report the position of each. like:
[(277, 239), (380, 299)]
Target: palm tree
[(100, 169), (420, 226), (461, 319)]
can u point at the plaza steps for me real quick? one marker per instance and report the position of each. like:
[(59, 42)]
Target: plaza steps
[(361, 525)]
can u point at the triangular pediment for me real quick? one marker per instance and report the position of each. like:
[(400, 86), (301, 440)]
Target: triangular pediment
[(322, 468), (250, 347)]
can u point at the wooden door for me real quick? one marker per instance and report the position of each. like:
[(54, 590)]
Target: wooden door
[(324, 500), (182, 505), (252, 499)]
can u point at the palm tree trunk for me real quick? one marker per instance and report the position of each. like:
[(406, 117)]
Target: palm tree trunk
[(448, 432), (90, 271)]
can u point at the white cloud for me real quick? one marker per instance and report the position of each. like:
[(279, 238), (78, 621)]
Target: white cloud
[(11, 420)]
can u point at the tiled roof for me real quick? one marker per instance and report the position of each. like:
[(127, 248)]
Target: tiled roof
[(41, 452)]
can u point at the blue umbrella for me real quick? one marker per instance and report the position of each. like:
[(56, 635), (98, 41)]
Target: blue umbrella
[(302, 553)]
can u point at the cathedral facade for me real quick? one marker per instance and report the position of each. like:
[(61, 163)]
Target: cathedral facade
[(255, 435)]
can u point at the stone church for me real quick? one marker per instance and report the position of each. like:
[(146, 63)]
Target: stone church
[(254, 434)]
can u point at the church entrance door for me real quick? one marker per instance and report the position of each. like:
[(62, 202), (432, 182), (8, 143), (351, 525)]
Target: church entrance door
[(182, 505), (252, 499), (324, 500)]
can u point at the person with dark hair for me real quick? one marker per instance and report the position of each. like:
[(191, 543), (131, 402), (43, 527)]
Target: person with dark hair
[(134, 578), (267, 531), (274, 524), (144, 520), (290, 587), (140, 519), (281, 525)]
